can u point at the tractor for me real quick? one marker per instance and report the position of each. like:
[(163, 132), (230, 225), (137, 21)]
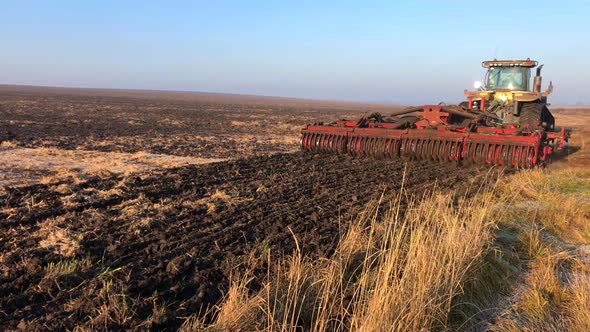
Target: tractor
[(504, 122)]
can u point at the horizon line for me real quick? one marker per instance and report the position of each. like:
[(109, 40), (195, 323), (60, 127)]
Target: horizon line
[(247, 95)]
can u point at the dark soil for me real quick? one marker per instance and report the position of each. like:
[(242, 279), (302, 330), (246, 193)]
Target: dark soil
[(184, 124), (171, 251)]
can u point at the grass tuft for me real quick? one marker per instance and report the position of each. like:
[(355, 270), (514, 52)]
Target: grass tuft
[(67, 267)]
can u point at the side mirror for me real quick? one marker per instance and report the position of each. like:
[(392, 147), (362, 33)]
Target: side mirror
[(550, 88)]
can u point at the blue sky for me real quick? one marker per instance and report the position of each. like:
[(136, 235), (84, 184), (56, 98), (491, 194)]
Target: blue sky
[(408, 52)]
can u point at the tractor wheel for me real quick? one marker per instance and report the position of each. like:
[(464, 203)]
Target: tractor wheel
[(536, 115), (530, 116)]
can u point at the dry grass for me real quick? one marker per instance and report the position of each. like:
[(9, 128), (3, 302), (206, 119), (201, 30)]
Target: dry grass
[(235, 123), (554, 296), (551, 211), (172, 122), (559, 201), (7, 145), (578, 306), (390, 270), (216, 200), (116, 308), (79, 164), (59, 240)]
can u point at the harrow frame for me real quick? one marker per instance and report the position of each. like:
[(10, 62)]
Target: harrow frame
[(432, 139)]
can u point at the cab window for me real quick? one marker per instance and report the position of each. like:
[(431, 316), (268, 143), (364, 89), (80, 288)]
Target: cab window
[(512, 78)]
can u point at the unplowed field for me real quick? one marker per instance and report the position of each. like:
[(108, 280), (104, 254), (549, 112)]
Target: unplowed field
[(148, 249)]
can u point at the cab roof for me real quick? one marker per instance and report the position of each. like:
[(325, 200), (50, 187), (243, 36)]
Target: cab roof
[(528, 63)]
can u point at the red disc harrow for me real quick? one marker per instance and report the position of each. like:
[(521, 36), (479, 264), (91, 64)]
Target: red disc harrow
[(483, 145)]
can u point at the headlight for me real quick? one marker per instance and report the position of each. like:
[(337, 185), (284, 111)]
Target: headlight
[(477, 84), (503, 98)]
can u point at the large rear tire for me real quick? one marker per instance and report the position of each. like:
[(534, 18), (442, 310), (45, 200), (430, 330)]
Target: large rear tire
[(535, 116), (530, 116)]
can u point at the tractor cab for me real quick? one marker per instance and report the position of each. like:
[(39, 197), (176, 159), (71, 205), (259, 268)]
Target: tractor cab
[(508, 75), (506, 82), (508, 79)]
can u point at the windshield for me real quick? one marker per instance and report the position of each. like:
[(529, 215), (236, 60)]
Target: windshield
[(514, 78)]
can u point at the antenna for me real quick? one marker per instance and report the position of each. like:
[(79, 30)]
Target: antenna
[(496, 51)]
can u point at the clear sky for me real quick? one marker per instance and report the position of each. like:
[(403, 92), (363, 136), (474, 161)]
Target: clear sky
[(406, 52)]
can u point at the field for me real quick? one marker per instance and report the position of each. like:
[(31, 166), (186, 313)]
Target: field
[(140, 210)]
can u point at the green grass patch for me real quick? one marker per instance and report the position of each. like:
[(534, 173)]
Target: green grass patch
[(67, 267)]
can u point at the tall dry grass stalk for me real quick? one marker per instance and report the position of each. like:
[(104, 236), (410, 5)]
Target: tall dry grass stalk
[(578, 306), (391, 271), (420, 265)]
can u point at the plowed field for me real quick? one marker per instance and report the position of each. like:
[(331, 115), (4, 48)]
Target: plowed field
[(181, 124), (171, 238), (148, 249)]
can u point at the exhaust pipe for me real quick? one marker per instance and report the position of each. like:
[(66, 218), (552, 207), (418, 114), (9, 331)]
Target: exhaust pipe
[(538, 80)]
